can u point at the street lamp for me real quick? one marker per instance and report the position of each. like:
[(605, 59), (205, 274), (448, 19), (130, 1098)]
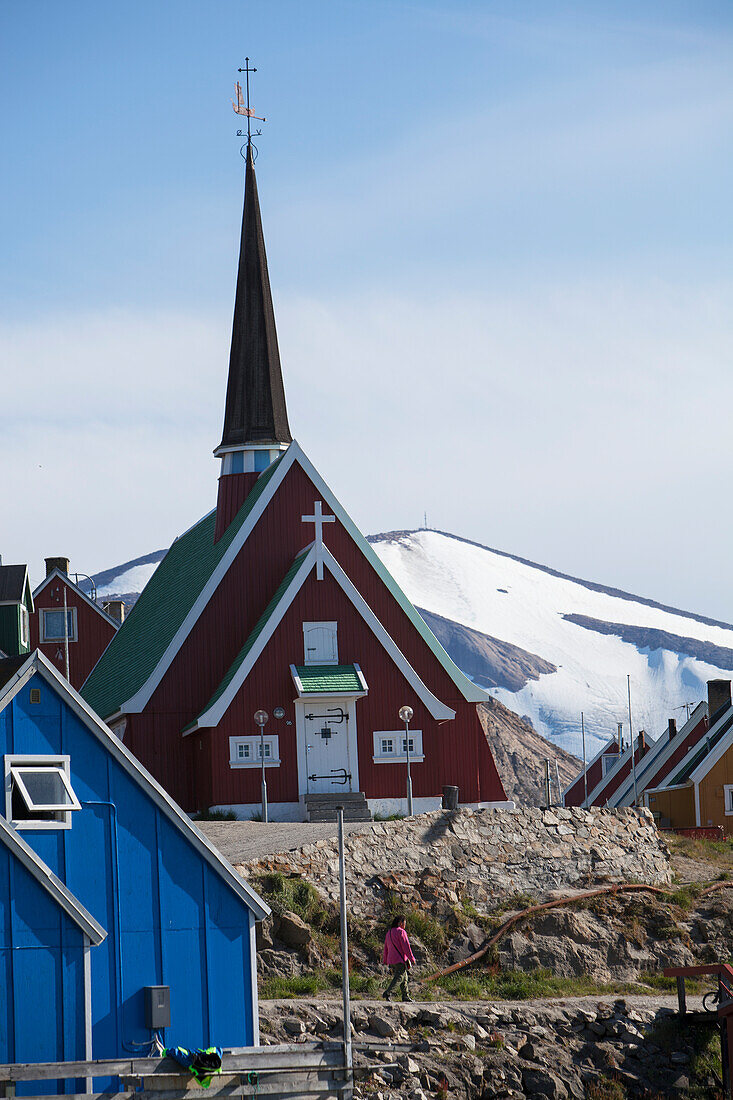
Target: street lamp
[(261, 717), (406, 715)]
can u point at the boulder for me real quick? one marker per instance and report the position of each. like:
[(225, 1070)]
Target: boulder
[(293, 931)]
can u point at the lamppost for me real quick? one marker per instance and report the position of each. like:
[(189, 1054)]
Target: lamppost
[(261, 717), (406, 715)]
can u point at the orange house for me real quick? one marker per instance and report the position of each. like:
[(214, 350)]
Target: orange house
[(700, 792)]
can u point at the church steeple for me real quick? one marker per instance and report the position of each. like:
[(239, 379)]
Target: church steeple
[(255, 416)]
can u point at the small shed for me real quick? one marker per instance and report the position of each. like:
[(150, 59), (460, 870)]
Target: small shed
[(110, 890)]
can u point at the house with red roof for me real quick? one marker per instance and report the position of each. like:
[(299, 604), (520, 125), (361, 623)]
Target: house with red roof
[(275, 603)]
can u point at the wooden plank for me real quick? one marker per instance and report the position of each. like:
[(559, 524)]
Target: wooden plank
[(681, 997), (691, 971), (260, 1059)]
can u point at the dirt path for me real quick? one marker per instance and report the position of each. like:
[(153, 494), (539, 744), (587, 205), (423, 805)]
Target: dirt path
[(654, 1001)]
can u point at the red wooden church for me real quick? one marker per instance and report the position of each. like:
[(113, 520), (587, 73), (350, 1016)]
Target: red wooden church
[(275, 601)]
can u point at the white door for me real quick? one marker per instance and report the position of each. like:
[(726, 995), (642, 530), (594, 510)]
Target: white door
[(327, 727)]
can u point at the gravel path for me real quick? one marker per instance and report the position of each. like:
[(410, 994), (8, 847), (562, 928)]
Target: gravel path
[(654, 1001), (242, 841)]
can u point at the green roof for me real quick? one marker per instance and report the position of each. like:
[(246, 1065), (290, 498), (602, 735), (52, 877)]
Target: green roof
[(325, 679), (261, 623), (133, 654), (709, 743)]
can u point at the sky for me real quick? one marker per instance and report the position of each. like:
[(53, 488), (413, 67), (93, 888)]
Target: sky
[(500, 246)]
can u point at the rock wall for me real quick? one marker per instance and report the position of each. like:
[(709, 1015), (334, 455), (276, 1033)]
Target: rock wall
[(482, 856)]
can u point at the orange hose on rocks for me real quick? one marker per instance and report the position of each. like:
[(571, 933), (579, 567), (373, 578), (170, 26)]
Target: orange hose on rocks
[(625, 888)]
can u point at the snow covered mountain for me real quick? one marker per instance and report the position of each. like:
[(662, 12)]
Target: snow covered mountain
[(547, 645), (592, 636)]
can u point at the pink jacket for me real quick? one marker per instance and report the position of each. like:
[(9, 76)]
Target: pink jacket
[(397, 948)]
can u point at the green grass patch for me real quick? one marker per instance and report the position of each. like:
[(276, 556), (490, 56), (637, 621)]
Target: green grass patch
[(298, 896), (279, 987), (521, 985)]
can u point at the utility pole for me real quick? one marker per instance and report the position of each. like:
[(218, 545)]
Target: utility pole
[(631, 736), (585, 771), (346, 995)]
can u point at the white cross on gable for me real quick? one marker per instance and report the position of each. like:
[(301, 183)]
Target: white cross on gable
[(318, 519)]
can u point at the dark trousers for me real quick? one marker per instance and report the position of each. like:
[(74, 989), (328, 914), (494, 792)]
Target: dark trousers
[(400, 973)]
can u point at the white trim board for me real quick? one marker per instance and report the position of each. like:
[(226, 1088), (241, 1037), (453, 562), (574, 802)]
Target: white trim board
[(623, 758), (53, 885), (75, 588), (137, 702), (43, 667), (589, 765), (214, 715), (658, 755), (715, 755)]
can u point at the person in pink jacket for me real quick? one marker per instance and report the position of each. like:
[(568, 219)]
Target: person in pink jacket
[(398, 956)]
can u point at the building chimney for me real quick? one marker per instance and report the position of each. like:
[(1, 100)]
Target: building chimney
[(718, 698), (672, 728), (115, 608), (641, 744), (62, 564)]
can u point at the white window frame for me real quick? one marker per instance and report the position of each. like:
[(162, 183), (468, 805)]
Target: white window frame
[(24, 625), (608, 761), (73, 633), (13, 768), (398, 755), (252, 743), (333, 627), (728, 799)]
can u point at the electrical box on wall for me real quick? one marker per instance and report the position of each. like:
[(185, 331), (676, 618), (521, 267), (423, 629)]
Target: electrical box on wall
[(157, 1006)]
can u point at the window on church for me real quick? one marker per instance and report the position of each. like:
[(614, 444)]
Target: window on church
[(390, 747), (320, 643), (38, 792), (261, 460), (52, 624), (246, 752)]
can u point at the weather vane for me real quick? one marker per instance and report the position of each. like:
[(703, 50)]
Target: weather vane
[(242, 108)]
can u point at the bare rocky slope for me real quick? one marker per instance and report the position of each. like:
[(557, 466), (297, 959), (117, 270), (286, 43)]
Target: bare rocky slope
[(520, 753)]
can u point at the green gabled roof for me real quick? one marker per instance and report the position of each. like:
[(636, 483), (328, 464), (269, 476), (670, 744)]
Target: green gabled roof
[(322, 679), (260, 626), (692, 765), (133, 654)]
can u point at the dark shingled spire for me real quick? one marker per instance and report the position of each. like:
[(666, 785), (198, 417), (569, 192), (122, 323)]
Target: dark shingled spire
[(255, 407)]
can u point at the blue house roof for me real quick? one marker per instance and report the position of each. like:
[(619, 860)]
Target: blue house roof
[(49, 882)]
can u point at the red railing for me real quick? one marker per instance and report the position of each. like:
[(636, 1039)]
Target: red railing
[(698, 832)]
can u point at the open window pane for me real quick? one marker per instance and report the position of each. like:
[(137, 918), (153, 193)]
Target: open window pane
[(45, 789)]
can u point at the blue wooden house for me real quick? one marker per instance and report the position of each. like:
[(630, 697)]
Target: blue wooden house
[(107, 890)]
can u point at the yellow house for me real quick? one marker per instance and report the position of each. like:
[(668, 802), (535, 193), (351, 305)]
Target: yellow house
[(700, 792)]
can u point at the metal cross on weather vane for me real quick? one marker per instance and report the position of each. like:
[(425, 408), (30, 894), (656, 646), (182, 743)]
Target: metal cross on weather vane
[(318, 519), (242, 108)]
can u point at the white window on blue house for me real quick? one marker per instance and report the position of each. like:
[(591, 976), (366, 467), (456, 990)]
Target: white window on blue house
[(246, 752), (38, 792), (390, 747), (52, 624)]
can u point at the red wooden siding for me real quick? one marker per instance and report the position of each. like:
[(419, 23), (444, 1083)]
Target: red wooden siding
[(455, 752), (655, 778), (576, 793), (94, 631), (225, 623)]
